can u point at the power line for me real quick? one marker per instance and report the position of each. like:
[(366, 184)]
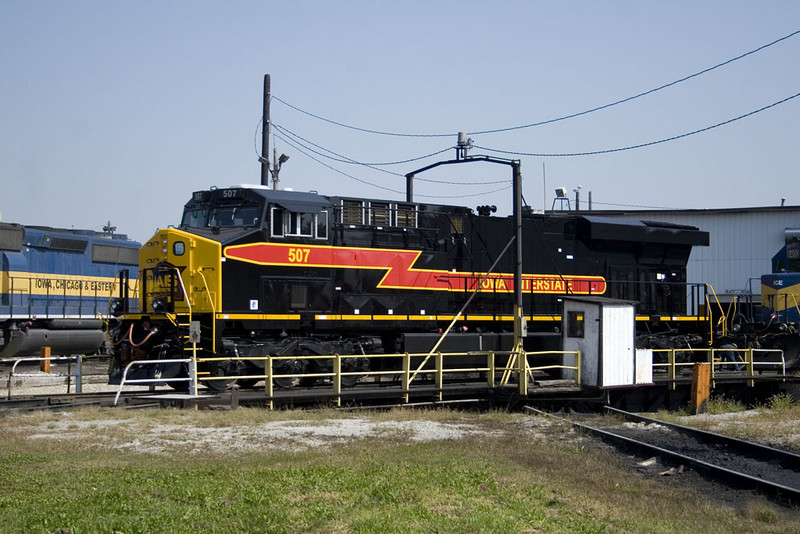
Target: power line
[(549, 121), (355, 162), (645, 93), (366, 130), (642, 145), (344, 159), (366, 182)]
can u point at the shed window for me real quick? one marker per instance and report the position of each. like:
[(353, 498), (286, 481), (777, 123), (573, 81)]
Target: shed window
[(575, 324)]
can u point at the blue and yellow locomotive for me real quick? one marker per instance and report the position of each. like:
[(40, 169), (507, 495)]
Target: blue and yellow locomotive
[(780, 290), (56, 286)]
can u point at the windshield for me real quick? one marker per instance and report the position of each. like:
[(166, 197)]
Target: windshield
[(194, 217), (248, 215)]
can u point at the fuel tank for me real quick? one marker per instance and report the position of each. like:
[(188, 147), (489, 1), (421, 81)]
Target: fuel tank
[(63, 337)]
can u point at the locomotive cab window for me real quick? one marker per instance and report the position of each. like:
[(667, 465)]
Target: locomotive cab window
[(276, 222), (301, 224), (194, 216), (322, 225), (285, 223), (235, 214)]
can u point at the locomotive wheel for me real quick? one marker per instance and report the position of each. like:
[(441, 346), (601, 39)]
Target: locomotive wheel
[(288, 367), (247, 383), (350, 381), (354, 365), (287, 382), (218, 385), (181, 386)]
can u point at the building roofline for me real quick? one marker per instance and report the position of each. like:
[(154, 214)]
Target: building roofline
[(688, 211)]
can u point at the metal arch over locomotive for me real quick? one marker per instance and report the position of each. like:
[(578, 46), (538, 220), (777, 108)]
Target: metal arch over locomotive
[(294, 273)]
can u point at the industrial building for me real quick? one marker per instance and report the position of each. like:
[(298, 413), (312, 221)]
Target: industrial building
[(742, 244)]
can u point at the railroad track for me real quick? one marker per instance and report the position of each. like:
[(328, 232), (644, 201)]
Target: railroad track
[(60, 401), (737, 462)]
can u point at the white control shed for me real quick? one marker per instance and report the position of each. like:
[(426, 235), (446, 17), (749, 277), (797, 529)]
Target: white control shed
[(603, 330)]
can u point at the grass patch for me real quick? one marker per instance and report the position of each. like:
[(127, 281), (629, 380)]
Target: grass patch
[(722, 404), (781, 402), (95, 473)]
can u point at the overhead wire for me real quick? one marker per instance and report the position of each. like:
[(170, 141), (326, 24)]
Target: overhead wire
[(344, 159), (334, 169), (378, 186), (548, 121), (299, 141), (531, 154), (641, 145)]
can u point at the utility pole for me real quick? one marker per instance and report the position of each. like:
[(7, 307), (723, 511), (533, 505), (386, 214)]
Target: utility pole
[(265, 124)]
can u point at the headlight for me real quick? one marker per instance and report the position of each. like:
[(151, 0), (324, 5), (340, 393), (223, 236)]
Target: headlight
[(117, 307), (159, 304)]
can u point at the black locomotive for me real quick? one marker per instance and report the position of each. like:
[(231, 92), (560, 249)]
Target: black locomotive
[(280, 272)]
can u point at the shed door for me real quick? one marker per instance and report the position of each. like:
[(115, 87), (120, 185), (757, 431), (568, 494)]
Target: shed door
[(617, 346)]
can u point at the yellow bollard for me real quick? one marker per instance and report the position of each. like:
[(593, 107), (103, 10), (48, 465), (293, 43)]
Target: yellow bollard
[(701, 387), (44, 365)]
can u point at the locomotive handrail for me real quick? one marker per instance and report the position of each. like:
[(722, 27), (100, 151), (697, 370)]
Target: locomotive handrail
[(56, 303), (78, 358), (407, 378), (205, 284), (723, 317), (124, 380), (748, 364), (336, 375), (796, 304)]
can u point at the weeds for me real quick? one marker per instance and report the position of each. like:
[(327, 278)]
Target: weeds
[(722, 404), (782, 402)]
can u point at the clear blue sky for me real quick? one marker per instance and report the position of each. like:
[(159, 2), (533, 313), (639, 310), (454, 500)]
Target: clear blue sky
[(119, 110)]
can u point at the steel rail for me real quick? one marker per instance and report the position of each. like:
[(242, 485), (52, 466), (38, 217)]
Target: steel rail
[(790, 493), (786, 459), (56, 401)]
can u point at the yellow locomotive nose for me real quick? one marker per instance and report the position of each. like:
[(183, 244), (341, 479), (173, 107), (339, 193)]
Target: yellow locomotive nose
[(180, 273)]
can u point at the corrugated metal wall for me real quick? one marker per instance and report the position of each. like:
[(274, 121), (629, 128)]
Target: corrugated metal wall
[(742, 243)]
